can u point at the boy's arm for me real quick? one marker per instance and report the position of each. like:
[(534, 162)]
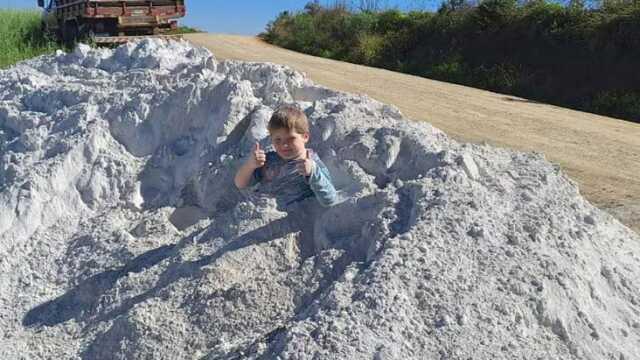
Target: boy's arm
[(245, 173), (321, 184), (244, 176)]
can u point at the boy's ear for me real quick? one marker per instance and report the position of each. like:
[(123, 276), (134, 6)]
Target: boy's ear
[(306, 136)]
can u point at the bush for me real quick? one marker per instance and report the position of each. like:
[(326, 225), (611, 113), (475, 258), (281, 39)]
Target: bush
[(453, 70), (621, 104), (493, 15), (369, 49)]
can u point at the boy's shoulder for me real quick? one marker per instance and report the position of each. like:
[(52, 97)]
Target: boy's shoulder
[(315, 157)]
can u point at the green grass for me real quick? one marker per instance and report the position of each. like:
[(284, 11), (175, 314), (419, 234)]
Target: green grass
[(183, 30), (21, 37)]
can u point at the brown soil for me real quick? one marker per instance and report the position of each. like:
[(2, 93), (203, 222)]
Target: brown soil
[(601, 154)]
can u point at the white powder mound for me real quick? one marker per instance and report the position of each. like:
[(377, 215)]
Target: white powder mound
[(123, 237)]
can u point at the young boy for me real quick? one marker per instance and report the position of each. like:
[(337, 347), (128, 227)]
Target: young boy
[(292, 172)]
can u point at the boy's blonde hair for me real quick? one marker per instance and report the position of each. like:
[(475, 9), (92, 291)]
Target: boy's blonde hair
[(289, 117)]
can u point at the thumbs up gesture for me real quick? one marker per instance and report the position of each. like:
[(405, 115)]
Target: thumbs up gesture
[(258, 157), (305, 165)]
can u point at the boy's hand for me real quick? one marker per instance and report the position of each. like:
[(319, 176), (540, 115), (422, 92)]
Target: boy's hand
[(305, 166), (259, 158)]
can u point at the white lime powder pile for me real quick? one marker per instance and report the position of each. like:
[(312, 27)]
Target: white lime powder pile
[(123, 237)]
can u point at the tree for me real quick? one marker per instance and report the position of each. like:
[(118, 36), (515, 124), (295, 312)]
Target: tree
[(454, 5), (576, 4), (368, 5), (313, 7)]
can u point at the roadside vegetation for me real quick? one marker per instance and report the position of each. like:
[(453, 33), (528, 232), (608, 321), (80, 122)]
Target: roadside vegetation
[(573, 55), (21, 37), (184, 30)]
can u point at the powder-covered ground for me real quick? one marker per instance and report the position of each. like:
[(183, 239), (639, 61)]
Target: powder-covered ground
[(123, 237)]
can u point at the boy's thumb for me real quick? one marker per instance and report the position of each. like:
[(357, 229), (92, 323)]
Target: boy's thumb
[(256, 147)]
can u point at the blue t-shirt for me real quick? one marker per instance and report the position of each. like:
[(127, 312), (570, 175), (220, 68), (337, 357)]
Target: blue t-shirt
[(280, 178)]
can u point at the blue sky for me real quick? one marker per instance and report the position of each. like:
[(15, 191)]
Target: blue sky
[(247, 17)]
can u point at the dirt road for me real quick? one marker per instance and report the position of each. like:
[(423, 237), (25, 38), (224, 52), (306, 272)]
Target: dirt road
[(602, 154)]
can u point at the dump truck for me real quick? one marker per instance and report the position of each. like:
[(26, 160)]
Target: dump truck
[(109, 21)]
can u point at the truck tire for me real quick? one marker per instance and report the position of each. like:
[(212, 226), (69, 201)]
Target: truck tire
[(70, 33), (86, 33), (49, 34)]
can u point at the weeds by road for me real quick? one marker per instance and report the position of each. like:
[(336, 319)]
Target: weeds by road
[(21, 37), (184, 30)]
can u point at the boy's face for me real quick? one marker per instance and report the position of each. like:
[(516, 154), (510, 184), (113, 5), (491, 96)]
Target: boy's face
[(289, 144)]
